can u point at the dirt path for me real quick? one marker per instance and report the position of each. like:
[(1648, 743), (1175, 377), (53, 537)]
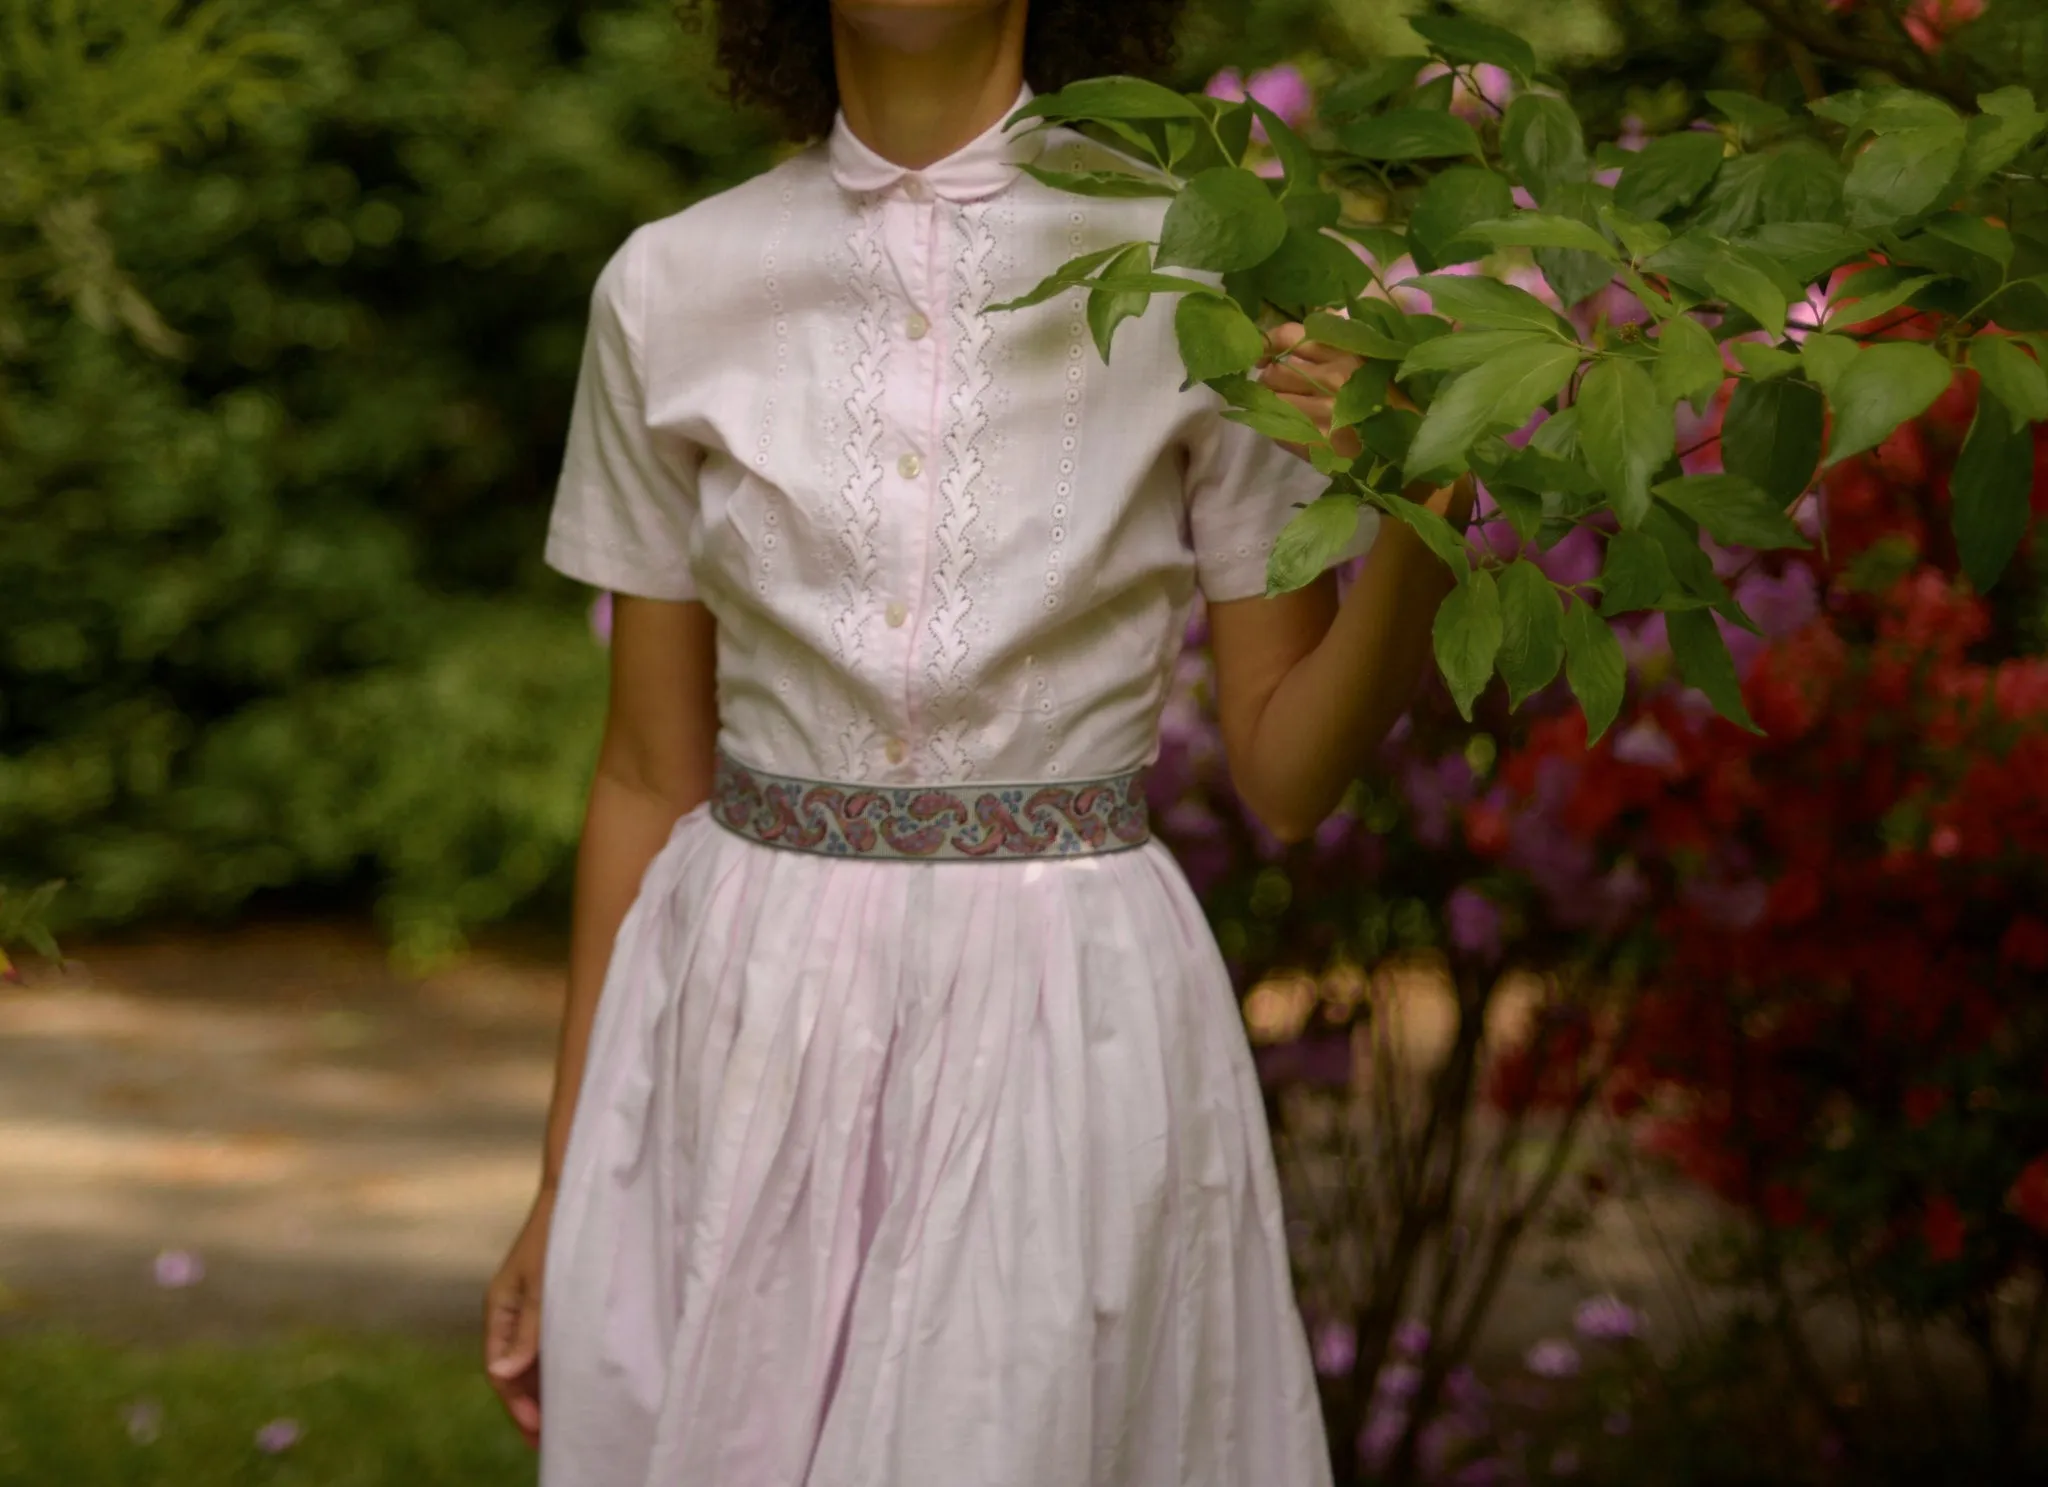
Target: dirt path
[(337, 1144)]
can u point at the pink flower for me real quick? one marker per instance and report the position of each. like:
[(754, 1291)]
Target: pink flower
[(1336, 1349), (1282, 89), (175, 1269), (143, 1419), (1411, 1338), (278, 1436), (1606, 1319), (1553, 1358)]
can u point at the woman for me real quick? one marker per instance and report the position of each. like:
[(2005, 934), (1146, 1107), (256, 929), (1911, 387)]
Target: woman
[(913, 1138)]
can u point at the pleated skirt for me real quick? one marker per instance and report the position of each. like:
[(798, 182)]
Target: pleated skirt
[(948, 1174)]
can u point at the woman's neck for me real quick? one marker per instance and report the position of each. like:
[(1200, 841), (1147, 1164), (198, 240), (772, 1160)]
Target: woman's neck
[(918, 80)]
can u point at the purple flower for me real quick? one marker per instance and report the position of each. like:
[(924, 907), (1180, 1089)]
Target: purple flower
[(1553, 1358), (1384, 1424), (1434, 791), (1607, 1319), (1781, 604), (1644, 743), (1399, 1381), (1488, 1471), (1411, 1338), (176, 1269), (1473, 920), (601, 618), (1565, 1462), (143, 1419), (1573, 558), (1619, 1423), (278, 1436), (1467, 1395), (1336, 1349)]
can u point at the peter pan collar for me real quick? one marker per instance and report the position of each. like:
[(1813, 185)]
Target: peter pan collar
[(980, 168)]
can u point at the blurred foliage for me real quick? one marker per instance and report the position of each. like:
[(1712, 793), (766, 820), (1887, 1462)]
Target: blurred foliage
[(280, 405)]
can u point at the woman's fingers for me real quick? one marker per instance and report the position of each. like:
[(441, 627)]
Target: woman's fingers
[(512, 1352)]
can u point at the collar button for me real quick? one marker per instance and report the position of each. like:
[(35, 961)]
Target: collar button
[(917, 188)]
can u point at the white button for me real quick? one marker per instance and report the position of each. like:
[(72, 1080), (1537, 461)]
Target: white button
[(917, 327), (895, 749), (915, 188), (909, 466), (896, 614)]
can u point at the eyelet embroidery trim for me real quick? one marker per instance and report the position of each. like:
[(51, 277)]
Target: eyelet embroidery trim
[(952, 579), (861, 511), (926, 824)]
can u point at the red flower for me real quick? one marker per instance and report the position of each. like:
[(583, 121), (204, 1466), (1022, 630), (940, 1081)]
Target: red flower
[(1486, 830), (2025, 945), (1924, 1102), (2028, 1195), (1941, 1226)]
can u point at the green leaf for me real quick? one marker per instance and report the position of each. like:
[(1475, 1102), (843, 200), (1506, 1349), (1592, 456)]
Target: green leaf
[(1801, 183), (1490, 305), (1901, 175), (1467, 635), (1806, 251), (1065, 277), (1669, 173), (2013, 377), (1997, 137), (1635, 573), (1452, 201), (1626, 434), (1772, 435), (1108, 183), (1753, 116), (1223, 219), (1437, 534), (1216, 337), (1311, 542), (1310, 269), (1594, 668), (1363, 394), (1383, 243), (1366, 89), (1704, 662), (1827, 357), (1388, 434), (1456, 353), (1689, 365), (1410, 134), (1355, 336), (1765, 362), (1523, 509), (1459, 39), (1110, 307), (1975, 235), (1993, 478), (1109, 98), (1543, 230), (1558, 435), (1735, 510), (1639, 239), (1882, 388), (1872, 293), (1543, 143), (1532, 630), (1263, 410), (1303, 171), (1495, 397), (1750, 289)]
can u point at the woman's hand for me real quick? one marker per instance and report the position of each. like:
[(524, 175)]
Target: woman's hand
[(512, 1321), (1308, 374)]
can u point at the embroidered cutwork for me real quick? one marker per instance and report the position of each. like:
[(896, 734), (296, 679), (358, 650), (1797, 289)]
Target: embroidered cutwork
[(960, 490), (859, 497)]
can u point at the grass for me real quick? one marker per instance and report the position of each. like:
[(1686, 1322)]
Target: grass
[(369, 1412)]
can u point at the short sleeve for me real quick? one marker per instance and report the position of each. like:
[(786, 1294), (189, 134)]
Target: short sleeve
[(1242, 490), (627, 497)]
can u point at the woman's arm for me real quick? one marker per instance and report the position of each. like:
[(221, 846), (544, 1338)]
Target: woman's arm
[(1308, 687), (653, 767)]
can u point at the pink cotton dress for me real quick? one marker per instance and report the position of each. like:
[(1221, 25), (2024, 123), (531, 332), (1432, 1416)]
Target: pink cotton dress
[(916, 1174)]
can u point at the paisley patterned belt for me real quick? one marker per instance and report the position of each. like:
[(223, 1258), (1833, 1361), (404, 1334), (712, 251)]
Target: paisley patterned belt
[(931, 823)]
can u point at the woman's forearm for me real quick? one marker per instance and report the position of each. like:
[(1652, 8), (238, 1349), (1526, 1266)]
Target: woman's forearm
[(624, 827), (1324, 720)]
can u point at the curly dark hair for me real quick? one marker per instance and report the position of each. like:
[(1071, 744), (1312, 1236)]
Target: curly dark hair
[(777, 54)]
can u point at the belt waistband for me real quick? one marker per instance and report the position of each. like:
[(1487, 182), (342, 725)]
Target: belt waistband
[(931, 823)]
